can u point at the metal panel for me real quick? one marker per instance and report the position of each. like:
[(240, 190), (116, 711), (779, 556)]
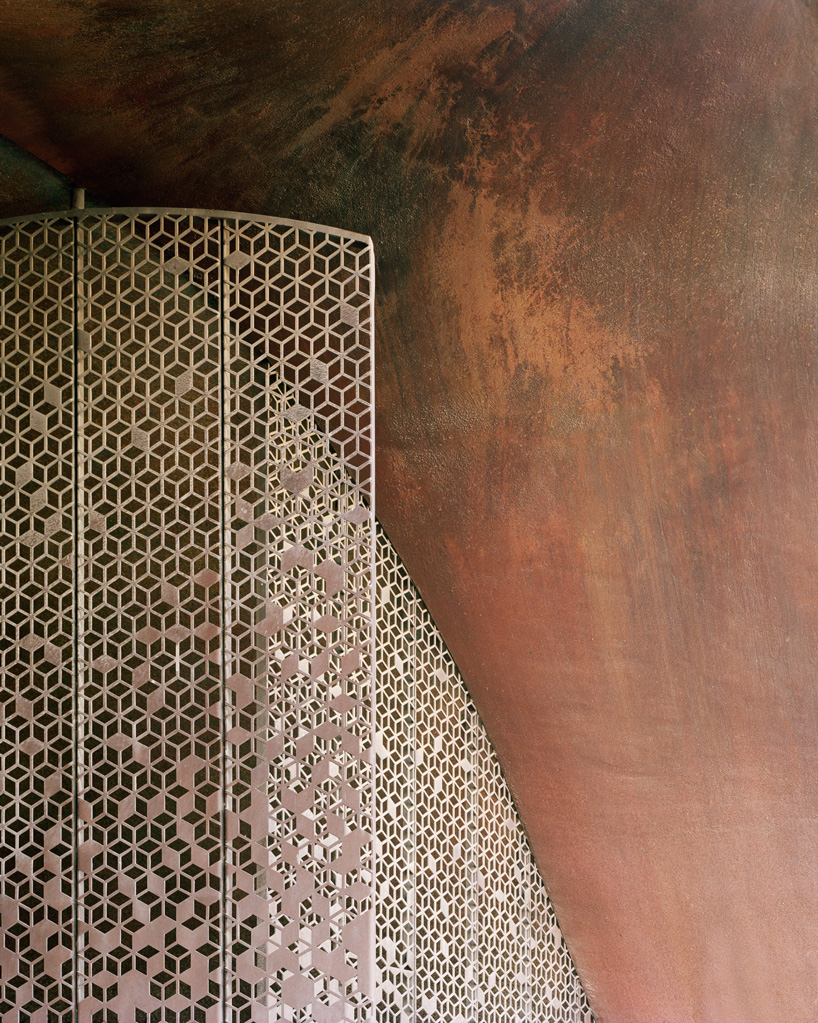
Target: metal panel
[(504, 966), (465, 931), (149, 653), (299, 625), (446, 837), (143, 721), (398, 607), (188, 804), (36, 591)]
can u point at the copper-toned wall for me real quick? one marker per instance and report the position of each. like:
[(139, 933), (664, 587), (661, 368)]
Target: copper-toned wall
[(27, 185), (597, 320)]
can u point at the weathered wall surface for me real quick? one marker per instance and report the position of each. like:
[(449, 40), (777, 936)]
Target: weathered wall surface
[(27, 185), (597, 319)]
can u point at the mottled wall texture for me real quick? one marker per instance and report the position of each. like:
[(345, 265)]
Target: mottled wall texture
[(597, 315)]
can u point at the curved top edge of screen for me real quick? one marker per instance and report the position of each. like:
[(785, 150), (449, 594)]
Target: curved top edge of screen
[(359, 459), (132, 211)]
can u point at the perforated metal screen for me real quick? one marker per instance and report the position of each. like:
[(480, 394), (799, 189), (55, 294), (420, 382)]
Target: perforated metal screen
[(466, 933), (187, 615), (186, 701)]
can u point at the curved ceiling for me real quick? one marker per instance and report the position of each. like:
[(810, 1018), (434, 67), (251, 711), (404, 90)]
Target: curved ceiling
[(598, 457)]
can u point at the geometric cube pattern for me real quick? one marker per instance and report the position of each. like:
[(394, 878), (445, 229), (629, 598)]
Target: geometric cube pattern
[(149, 771), (187, 747), (299, 625), (37, 831), (465, 931), (186, 732)]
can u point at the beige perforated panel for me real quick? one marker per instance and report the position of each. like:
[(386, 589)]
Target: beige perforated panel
[(186, 741), (149, 769), (465, 931), (298, 599), (187, 442), (37, 694)]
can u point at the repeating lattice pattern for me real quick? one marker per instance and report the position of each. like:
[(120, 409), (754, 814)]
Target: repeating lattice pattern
[(186, 731), (465, 932), (396, 911), (299, 609), (149, 681), (199, 780), (301, 298), (36, 591)]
